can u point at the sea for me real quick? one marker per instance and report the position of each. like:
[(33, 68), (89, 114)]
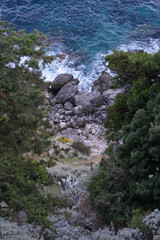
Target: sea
[(83, 32)]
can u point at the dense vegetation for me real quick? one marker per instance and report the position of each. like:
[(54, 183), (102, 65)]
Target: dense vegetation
[(23, 124), (130, 178)]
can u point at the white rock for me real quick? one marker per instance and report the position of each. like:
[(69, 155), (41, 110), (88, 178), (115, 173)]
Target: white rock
[(63, 125)]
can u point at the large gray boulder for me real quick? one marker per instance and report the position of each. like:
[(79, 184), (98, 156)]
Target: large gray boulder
[(60, 81), (67, 93), (103, 83), (110, 95), (88, 101)]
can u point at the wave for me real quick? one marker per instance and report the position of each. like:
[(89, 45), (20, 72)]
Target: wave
[(87, 73)]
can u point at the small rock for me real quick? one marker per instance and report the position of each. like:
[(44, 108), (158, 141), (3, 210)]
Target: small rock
[(80, 122), (62, 117), (67, 113), (68, 106), (61, 111), (22, 216), (104, 82), (73, 123), (51, 151), (87, 130), (56, 120), (79, 111), (63, 125), (67, 118), (57, 115), (59, 106), (79, 131), (3, 207)]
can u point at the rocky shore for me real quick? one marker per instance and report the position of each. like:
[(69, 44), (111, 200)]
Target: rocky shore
[(79, 115)]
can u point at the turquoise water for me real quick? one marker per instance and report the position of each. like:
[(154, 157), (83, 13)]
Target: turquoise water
[(85, 31)]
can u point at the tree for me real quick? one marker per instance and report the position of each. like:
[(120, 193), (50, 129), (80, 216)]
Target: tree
[(134, 118), (22, 123), (21, 97)]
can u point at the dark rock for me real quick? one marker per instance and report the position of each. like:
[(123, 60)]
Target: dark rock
[(76, 80), (61, 56), (103, 83), (88, 101), (78, 110), (67, 93), (48, 235), (68, 106), (81, 122), (60, 81)]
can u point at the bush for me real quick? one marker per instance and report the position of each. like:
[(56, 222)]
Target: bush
[(109, 191), (81, 147), (64, 140)]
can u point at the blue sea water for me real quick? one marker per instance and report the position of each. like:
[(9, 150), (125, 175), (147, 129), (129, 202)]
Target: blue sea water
[(85, 31)]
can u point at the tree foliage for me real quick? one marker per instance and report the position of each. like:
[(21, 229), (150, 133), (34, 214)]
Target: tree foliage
[(22, 122), (21, 97), (135, 117)]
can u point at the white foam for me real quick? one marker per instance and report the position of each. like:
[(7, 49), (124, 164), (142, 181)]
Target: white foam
[(89, 73), (85, 74), (152, 46)]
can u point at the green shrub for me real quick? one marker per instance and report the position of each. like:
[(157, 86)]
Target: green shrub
[(20, 183), (137, 220), (130, 178), (109, 191), (81, 147)]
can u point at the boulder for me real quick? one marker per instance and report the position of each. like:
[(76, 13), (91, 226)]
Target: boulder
[(79, 111), (88, 101), (110, 95), (67, 93), (81, 122), (68, 106), (60, 81), (63, 125), (103, 83)]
